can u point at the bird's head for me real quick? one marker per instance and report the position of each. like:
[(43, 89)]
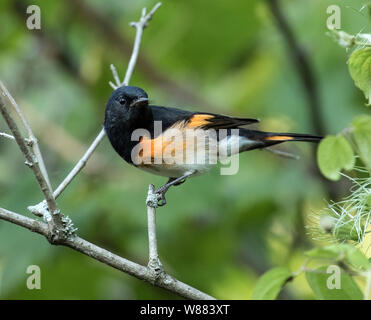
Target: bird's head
[(126, 102)]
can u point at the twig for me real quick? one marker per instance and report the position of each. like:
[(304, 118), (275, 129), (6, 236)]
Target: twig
[(151, 202), (55, 223), (114, 39), (25, 222), (68, 147), (140, 25), (115, 77), (283, 154), (5, 135), (80, 164), (31, 136)]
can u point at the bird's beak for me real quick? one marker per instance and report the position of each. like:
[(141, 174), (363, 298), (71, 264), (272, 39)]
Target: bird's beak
[(138, 102)]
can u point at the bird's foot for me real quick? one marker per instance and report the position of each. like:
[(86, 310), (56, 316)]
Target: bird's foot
[(180, 182), (160, 193)]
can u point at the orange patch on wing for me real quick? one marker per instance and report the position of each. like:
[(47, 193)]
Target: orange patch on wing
[(279, 138), (199, 120)]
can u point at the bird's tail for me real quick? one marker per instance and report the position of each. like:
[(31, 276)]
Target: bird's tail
[(267, 139), (282, 137)]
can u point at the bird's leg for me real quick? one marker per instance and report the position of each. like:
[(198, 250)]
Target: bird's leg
[(171, 182), (177, 183)]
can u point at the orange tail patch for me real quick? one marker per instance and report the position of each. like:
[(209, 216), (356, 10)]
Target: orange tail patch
[(279, 138)]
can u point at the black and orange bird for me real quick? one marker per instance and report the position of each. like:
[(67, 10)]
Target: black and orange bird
[(176, 143)]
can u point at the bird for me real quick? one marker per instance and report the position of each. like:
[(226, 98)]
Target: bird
[(176, 143)]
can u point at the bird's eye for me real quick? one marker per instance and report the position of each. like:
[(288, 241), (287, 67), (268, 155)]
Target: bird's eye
[(122, 100)]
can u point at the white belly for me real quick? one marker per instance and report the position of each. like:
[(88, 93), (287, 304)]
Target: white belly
[(176, 170)]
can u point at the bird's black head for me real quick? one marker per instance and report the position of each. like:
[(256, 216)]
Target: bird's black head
[(126, 110), (125, 104), (128, 97)]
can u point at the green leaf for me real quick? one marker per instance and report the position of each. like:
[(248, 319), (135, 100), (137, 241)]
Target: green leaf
[(357, 259), (329, 252), (341, 252), (270, 284), (319, 279), (362, 136), (360, 70), (335, 153)]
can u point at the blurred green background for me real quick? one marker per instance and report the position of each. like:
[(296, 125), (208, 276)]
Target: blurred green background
[(217, 233)]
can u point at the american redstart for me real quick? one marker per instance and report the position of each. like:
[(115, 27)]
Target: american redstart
[(177, 143)]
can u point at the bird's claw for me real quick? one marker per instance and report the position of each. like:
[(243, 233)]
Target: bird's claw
[(160, 193)]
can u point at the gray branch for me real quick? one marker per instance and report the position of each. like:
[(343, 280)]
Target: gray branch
[(151, 202), (80, 164), (55, 222), (33, 141), (5, 135)]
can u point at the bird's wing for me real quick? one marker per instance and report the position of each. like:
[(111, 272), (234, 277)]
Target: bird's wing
[(203, 120), (217, 121)]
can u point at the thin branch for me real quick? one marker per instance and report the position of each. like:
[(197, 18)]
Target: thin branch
[(68, 147), (283, 154), (114, 39), (141, 272), (80, 164), (140, 25), (5, 135), (115, 77), (151, 203), (55, 223), (31, 136), (25, 222)]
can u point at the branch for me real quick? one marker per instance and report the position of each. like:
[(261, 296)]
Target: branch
[(282, 153), (55, 222), (69, 147), (140, 25), (80, 164), (151, 202), (79, 244), (31, 136), (5, 135)]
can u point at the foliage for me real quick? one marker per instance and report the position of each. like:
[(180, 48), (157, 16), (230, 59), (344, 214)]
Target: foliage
[(334, 154), (360, 68), (270, 284), (346, 220)]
